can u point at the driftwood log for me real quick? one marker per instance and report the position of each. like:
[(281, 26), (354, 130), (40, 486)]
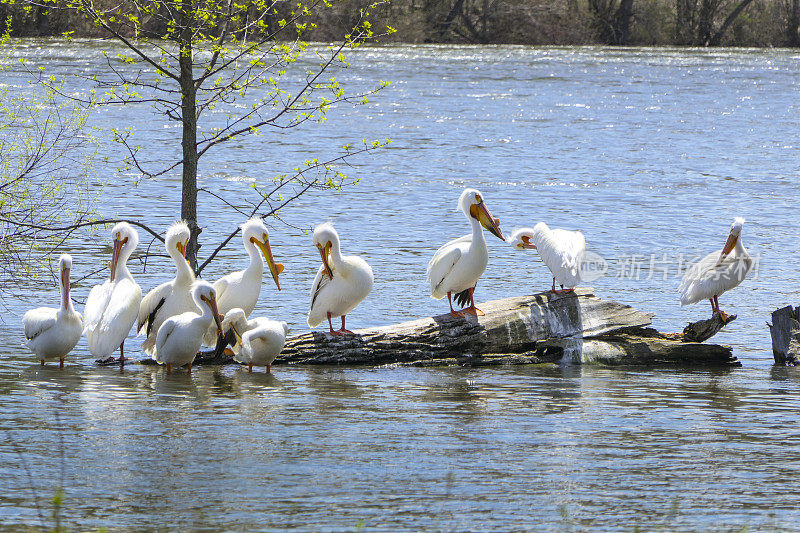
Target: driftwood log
[(577, 328), (703, 330), (785, 332)]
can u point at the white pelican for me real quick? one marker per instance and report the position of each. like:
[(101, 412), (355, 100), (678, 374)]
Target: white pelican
[(561, 250), (171, 297), (113, 306), (52, 332), (457, 266), (717, 272), (180, 336), (342, 280), (258, 340), (240, 289)]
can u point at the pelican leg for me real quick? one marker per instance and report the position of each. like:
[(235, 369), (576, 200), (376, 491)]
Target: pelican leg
[(330, 325), (553, 290), (42, 362), (457, 314), (169, 368), (60, 362), (121, 354), (472, 309), (713, 307), (250, 367), (269, 369), (722, 314), (343, 330), (189, 368)]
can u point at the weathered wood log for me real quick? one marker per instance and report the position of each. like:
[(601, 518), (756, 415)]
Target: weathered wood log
[(785, 332), (702, 330), (575, 327)]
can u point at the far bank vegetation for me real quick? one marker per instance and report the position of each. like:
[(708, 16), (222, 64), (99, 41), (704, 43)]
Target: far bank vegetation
[(759, 23)]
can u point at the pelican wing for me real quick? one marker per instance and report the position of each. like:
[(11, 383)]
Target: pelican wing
[(320, 282), (37, 321), (709, 277), (96, 304), (221, 285), (164, 333), (123, 306), (443, 261), (150, 305), (571, 245)]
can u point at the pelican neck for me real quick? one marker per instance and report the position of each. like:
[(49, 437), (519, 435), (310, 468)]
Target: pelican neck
[(336, 253), (256, 265), (185, 273)]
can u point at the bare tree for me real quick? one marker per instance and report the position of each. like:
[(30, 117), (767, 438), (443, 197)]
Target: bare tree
[(612, 20)]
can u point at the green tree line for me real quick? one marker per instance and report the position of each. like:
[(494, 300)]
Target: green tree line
[(536, 22)]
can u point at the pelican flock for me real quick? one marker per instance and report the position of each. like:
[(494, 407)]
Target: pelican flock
[(113, 306), (718, 272), (258, 340), (456, 267), (180, 315), (53, 332), (561, 250), (341, 283)]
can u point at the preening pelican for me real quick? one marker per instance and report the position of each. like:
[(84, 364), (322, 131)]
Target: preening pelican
[(52, 332), (258, 340), (561, 250), (180, 336), (240, 289), (342, 280), (171, 297), (717, 272), (113, 306), (457, 266)]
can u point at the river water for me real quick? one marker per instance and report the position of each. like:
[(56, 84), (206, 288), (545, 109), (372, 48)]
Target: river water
[(649, 152)]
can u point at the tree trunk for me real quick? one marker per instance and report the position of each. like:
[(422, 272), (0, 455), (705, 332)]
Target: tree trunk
[(685, 11), (622, 22), (717, 37), (705, 21), (189, 140), (785, 332), (793, 25)]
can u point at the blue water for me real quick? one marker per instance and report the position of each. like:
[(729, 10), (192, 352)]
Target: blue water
[(649, 152)]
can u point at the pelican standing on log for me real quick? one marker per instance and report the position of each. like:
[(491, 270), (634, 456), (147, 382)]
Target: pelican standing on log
[(52, 332), (342, 281), (258, 340), (171, 297), (717, 272), (456, 267), (561, 250), (180, 336), (113, 306), (241, 289)]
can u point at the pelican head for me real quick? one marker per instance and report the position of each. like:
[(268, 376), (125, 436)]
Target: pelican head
[(254, 231), (125, 240), (472, 204), (521, 239), (64, 266), (325, 238), (235, 320), (204, 293), (733, 238), (177, 238)]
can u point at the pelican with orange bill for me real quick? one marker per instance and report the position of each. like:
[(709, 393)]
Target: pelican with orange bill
[(241, 289), (342, 281), (718, 272), (456, 267)]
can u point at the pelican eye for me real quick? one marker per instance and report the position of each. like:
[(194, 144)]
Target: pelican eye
[(478, 198)]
